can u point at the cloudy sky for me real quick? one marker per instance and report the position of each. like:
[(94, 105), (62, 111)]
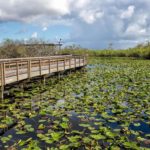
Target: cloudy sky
[(89, 23)]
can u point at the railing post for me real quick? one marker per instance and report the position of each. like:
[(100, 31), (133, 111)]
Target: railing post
[(17, 70), (29, 68), (83, 60), (49, 66), (40, 67), (4, 74), (57, 65), (70, 62), (2, 82), (65, 63), (74, 62), (79, 61)]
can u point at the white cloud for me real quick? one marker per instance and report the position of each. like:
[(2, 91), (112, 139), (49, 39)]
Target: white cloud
[(57, 6), (92, 23), (134, 30), (128, 13), (31, 10), (79, 4), (34, 35), (90, 16)]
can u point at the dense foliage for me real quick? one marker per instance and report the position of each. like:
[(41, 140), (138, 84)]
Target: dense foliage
[(104, 107), (32, 48)]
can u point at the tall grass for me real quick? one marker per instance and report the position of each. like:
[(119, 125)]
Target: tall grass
[(138, 52)]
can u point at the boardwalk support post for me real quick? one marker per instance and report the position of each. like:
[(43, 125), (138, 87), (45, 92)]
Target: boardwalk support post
[(44, 80), (2, 92)]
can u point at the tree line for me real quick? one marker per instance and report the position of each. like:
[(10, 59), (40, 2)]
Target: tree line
[(32, 48), (36, 48)]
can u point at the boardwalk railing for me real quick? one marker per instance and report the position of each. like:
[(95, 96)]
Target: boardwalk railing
[(13, 70)]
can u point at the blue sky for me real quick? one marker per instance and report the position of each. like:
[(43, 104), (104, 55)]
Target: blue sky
[(24, 31), (89, 23)]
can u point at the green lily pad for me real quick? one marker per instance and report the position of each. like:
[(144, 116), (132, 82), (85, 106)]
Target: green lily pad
[(97, 136)]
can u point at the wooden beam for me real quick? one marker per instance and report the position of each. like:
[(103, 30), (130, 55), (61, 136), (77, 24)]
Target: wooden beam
[(64, 63), (40, 67), (57, 65), (49, 66), (70, 59), (79, 61), (29, 68), (75, 62), (83, 60), (4, 74), (17, 70), (2, 82)]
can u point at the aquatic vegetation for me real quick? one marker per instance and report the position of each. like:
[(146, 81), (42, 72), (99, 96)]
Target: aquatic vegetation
[(106, 106)]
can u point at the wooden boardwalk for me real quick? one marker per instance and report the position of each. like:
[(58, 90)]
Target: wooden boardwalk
[(14, 70)]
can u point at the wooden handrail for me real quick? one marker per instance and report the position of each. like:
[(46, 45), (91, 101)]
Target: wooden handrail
[(34, 58)]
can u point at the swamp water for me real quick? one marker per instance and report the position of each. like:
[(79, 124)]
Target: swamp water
[(106, 107)]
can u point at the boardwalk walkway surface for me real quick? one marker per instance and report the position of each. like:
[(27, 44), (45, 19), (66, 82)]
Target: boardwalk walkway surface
[(14, 70)]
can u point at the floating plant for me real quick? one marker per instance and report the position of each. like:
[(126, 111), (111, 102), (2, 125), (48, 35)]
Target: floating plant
[(106, 107)]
